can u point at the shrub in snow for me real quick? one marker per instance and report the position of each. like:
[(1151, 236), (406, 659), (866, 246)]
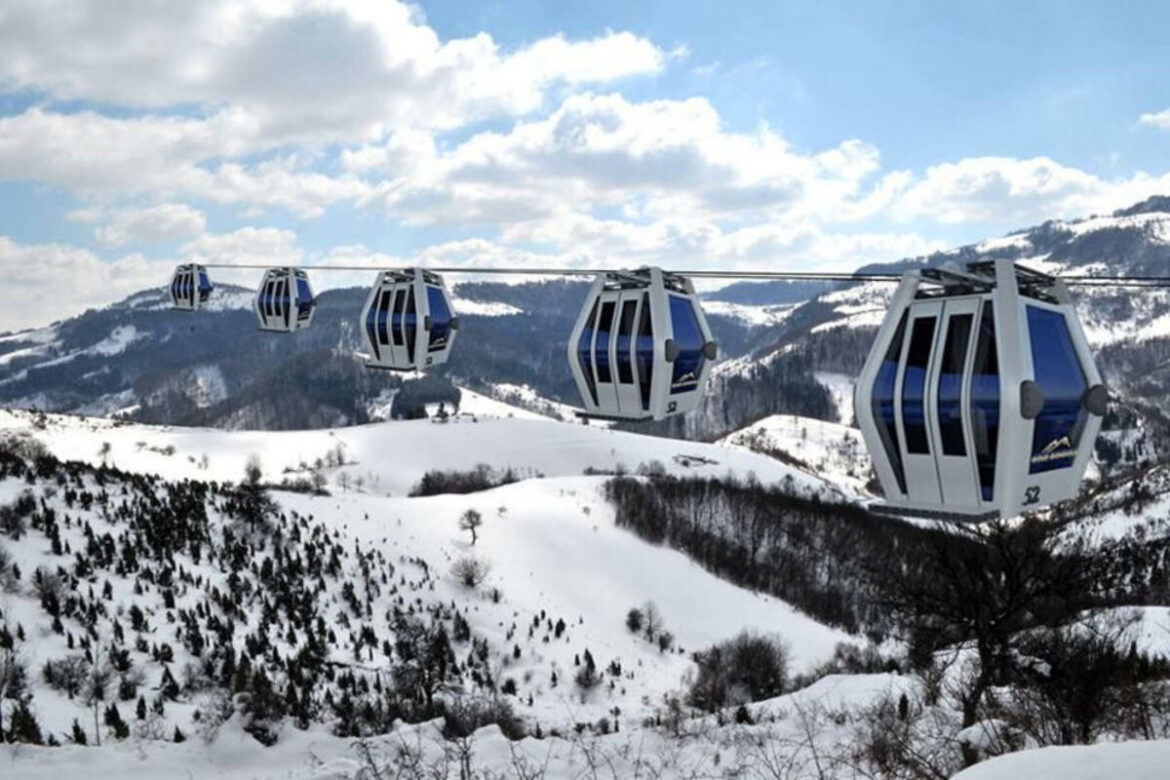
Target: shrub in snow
[(747, 668), (471, 571), (482, 477), (466, 714), (634, 620)]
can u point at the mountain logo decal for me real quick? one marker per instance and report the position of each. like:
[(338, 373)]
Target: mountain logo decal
[(1063, 443)]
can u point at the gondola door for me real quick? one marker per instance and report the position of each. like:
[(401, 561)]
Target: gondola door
[(393, 309), (604, 352), (950, 393), (629, 395), (916, 413)]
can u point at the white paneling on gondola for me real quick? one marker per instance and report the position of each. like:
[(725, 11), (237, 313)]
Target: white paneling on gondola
[(284, 301), (190, 287), (641, 348), (408, 322), (980, 397)]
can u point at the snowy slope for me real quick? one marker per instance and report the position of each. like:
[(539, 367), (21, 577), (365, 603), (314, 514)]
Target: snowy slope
[(551, 542), (1108, 761), (391, 457), (704, 749), (832, 451)]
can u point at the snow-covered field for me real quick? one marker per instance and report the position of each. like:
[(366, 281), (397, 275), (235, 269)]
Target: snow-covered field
[(1108, 761), (550, 540), (773, 314), (390, 458), (703, 749), (832, 451)]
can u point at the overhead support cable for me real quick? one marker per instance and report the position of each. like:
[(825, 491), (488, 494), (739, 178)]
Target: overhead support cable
[(1131, 282)]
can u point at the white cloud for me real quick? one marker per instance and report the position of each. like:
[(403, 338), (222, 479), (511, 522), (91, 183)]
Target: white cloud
[(1160, 119), (305, 105), (246, 246), (164, 222), (338, 70), (47, 282), (103, 157), (983, 189), (689, 244), (671, 157)]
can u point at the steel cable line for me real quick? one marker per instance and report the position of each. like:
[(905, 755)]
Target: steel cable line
[(1131, 282)]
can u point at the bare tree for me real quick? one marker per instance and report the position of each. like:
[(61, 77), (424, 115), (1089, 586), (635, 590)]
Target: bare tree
[(471, 571), (471, 521), (651, 620), (97, 685), (984, 587)]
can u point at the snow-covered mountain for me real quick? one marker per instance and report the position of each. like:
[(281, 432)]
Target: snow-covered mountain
[(142, 361), (784, 351)]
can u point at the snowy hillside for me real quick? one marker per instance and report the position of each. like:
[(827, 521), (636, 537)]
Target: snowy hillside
[(832, 451), (314, 613), (551, 540), (390, 458)]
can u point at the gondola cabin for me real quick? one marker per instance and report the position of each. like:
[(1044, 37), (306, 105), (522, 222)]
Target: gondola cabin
[(641, 348), (190, 288), (408, 320), (980, 397), (284, 301)]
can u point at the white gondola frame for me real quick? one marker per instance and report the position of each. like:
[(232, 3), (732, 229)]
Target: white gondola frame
[(394, 356), (1015, 487), (619, 400), (283, 316), (189, 277)]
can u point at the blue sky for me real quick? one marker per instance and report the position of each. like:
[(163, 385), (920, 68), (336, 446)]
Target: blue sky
[(924, 81), (795, 135)]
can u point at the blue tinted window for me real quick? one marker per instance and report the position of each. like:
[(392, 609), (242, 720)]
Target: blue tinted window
[(285, 300), (1058, 372), (689, 340), (950, 385), (914, 386), (399, 299), (440, 318), (383, 328), (204, 286), (645, 352), (371, 324), (410, 324), (304, 299), (604, 328), (585, 352), (625, 335), (883, 403), (985, 402)]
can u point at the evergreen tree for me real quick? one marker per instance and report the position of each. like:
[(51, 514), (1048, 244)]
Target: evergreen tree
[(77, 735), (24, 726)]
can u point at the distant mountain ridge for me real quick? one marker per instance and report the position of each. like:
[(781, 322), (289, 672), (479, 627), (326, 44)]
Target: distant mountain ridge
[(786, 348), (139, 359)]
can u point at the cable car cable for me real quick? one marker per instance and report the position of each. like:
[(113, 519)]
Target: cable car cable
[(811, 276)]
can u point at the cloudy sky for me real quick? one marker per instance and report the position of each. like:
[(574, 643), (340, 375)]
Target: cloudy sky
[(692, 134)]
